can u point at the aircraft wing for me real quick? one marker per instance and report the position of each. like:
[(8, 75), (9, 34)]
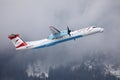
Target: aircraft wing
[(54, 30)]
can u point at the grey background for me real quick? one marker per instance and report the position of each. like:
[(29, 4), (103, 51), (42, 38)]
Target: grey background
[(32, 18)]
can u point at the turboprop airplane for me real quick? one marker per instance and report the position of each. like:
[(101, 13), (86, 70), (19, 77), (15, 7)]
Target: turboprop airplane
[(54, 38)]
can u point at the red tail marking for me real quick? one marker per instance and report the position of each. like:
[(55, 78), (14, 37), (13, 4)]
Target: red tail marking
[(13, 36), (16, 40), (22, 44)]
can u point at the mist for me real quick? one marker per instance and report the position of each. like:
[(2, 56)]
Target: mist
[(31, 19)]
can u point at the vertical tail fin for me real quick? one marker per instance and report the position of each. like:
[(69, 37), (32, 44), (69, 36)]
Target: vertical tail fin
[(17, 41)]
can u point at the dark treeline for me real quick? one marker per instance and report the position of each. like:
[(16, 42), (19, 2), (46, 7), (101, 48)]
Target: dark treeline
[(90, 68)]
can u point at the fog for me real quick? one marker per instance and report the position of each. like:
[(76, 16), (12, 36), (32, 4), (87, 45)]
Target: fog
[(32, 18)]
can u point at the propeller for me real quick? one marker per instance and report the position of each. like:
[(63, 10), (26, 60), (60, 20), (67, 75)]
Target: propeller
[(68, 30)]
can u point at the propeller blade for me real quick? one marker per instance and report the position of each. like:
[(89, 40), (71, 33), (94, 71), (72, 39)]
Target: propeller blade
[(68, 31)]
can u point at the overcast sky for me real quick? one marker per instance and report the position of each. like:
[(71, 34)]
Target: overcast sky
[(32, 18)]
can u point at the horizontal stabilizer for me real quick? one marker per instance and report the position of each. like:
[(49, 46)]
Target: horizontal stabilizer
[(17, 41)]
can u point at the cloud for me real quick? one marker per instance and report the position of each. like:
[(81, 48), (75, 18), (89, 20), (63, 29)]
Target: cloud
[(32, 18)]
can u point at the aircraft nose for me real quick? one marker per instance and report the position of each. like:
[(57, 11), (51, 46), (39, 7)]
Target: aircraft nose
[(102, 29)]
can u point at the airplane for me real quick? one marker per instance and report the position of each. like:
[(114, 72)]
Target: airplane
[(55, 37)]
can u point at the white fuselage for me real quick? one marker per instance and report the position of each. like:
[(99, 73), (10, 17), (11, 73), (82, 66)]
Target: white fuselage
[(73, 35)]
